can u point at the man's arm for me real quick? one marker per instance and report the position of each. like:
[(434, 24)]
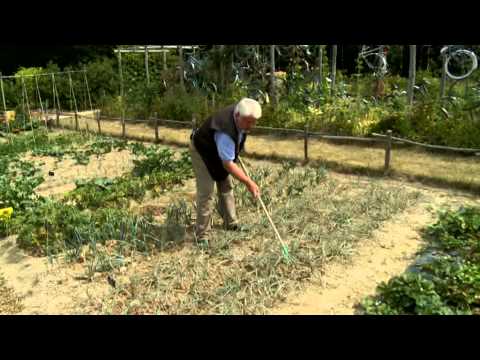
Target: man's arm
[(238, 173), (226, 151)]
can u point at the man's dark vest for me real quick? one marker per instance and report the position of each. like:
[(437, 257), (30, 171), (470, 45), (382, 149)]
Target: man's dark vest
[(204, 141)]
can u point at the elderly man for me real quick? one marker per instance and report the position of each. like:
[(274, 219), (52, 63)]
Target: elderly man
[(215, 147)]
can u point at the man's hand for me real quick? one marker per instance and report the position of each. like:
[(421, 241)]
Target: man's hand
[(254, 189)]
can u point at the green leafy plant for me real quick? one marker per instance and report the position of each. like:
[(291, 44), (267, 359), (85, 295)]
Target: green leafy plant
[(155, 162), (17, 186), (101, 192), (54, 227), (50, 227), (448, 284), (410, 294), (458, 231)]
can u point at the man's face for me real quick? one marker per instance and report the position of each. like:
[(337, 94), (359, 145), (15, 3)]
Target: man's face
[(246, 123)]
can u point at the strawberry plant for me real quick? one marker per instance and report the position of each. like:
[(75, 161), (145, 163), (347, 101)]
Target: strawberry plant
[(450, 284), (458, 231), (458, 281), (407, 295)]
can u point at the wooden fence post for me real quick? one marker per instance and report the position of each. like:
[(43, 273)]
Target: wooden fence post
[(412, 74), (76, 121), (273, 88), (97, 116), (320, 69), (157, 138), (194, 123), (122, 93), (443, 79), (305, 144), (146, 66), (388, 151), (333, 74), (181, 66)]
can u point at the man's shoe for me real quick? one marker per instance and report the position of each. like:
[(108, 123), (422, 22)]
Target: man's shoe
[(202, 244), (237, 227)]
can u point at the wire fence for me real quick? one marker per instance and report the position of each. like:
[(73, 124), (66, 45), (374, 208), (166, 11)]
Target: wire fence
[(387, 140)]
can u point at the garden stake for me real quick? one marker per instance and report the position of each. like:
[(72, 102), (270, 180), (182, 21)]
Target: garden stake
[(285, 251)]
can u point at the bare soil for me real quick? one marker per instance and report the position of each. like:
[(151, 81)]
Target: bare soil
[(45, 288), (66, 171)]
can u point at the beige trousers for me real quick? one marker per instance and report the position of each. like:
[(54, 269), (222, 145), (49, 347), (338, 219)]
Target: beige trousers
[(205, 197)]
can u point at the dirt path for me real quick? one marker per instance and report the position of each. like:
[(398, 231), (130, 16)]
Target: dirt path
[(46, 288), (390, 251)]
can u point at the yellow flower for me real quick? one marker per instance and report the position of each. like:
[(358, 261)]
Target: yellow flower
[(10, 116), (280, 75), (6, 213), (314, 111)]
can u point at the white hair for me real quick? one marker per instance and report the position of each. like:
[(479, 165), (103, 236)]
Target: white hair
[(249, 107)]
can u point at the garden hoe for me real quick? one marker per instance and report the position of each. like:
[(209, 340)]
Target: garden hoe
[(285, 251)]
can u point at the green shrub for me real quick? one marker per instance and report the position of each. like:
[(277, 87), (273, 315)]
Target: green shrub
[(103, 79), (177, 104)]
